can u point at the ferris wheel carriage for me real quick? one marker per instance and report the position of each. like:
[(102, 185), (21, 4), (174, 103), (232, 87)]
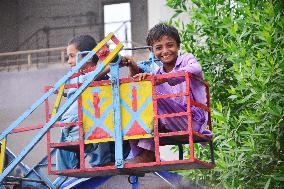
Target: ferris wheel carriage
[(121, 110)]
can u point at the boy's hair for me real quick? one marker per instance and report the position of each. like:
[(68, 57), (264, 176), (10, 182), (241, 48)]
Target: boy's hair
[(160, 30), (84, 43)]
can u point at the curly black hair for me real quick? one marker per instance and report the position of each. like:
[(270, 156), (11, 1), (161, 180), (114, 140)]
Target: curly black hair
[(160, 30)]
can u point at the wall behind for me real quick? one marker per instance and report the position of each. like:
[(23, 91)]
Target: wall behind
[(35, 24), (9, 26)]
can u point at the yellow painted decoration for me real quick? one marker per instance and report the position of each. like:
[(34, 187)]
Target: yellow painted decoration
[(103, 42), (97, 96), (58, 100), (136, 112), (2, 154), (113, 53)]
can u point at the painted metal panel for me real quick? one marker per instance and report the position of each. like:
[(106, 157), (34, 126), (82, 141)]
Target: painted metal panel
[(136, 112)]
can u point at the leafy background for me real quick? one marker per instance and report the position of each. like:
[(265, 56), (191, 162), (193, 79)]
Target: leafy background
[(240, 46)]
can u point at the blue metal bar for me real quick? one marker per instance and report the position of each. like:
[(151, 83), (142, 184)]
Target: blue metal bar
[(163, 178), (48, 125), (59, 181), (34, 175), (152, 59), (10, 157), (46, 95), (36, 172), (134, 182), (114, 71)]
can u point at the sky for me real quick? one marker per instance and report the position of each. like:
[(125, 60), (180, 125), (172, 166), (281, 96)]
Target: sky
[(120, 23)]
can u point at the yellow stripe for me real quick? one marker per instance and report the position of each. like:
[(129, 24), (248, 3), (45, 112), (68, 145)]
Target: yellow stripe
[(2, 154), (99, 140), (112, 139), (103, 42), (57, 101), (137, 137), (113, 54)]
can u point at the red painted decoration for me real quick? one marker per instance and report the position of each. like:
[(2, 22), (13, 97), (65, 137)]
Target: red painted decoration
[(99, 133), (136, 129), (96, 101)]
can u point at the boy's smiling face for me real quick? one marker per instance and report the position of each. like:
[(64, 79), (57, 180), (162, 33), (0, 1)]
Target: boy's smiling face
[(166, 49)]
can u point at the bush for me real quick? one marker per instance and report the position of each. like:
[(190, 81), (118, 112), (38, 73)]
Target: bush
[(240, 45)]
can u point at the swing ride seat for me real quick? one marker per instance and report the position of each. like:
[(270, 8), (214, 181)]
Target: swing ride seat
[(139, 118)]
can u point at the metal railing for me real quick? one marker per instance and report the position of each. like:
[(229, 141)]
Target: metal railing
[(31, 58)]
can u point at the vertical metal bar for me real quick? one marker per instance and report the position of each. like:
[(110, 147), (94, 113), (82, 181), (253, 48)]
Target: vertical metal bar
[(48, 152), (189, 116), (29, 60), (114, 71), (210, 123), (134, 182), (208, 105), (180, 152), (48, 133), (212, 151), (81, 137), (156, 129), (54, 111), (2, 154)]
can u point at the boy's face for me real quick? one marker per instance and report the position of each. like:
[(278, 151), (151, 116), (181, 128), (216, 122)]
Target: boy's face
[(166, 49), (71, 53)]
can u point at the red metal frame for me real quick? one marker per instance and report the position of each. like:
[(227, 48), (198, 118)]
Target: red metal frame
[(158, 165)]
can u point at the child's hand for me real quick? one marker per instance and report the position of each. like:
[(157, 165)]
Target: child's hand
[(161, 81), (126, 61), (142, 76)]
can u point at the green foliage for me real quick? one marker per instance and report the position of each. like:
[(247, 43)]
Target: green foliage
[(240, 45)]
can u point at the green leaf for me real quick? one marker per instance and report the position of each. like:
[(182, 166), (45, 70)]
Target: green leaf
[(240, 47), (267, 183)]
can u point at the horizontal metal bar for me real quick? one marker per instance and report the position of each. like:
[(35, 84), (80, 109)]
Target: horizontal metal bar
[(32, 51), (178, 133), (137, 48), (172, 115), (12, 178), (56, 145), (171, 95)]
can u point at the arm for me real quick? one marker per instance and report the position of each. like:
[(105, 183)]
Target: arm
[(188, 64), (142, 76), (103, 73), (132, 66)]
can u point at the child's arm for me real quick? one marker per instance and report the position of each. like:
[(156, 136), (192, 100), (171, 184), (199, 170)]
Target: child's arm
[(143, 76), (132, 66), (188, 64), (103, 73)]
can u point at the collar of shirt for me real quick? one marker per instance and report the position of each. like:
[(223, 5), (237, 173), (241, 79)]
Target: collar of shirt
[(177, 65)]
